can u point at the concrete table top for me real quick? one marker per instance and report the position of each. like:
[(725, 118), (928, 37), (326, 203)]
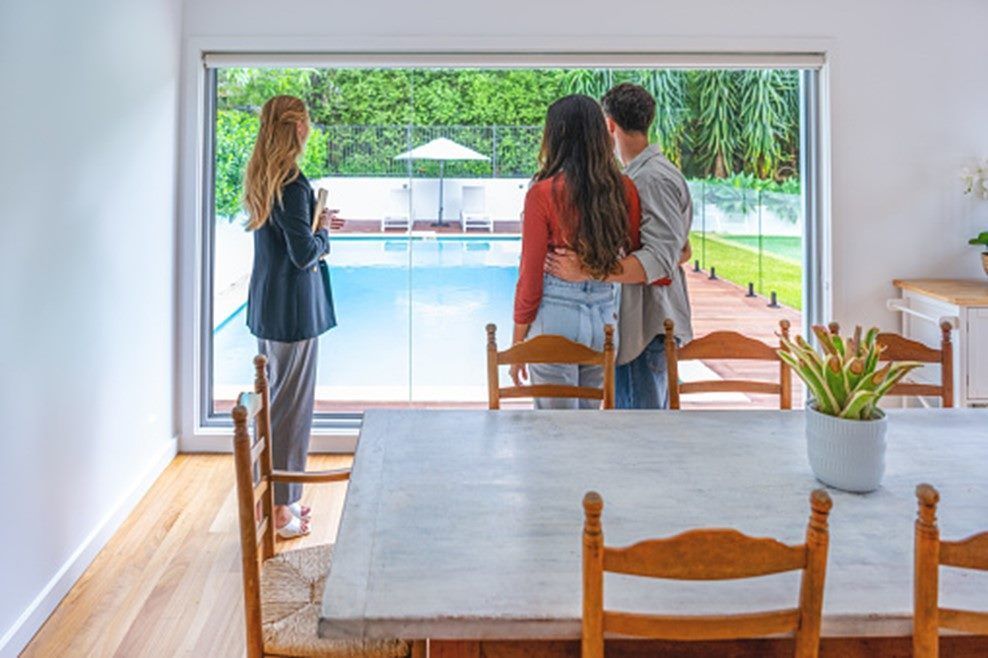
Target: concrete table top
[(465, 525)]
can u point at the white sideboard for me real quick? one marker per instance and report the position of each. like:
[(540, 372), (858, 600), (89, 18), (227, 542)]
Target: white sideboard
[(924, 304)]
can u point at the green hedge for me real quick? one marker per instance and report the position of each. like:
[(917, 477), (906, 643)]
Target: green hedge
[(709, 122)]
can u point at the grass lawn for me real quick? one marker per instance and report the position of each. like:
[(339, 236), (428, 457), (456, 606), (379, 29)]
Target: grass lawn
[(791, 248), (738, 263)]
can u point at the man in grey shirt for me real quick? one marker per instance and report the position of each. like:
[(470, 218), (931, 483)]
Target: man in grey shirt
[(653, 283)]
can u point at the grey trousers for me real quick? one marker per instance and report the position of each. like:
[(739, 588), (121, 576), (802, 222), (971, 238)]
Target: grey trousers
[(292, 380)]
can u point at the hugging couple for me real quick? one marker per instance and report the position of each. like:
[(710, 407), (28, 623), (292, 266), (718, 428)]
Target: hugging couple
[(589, 229)]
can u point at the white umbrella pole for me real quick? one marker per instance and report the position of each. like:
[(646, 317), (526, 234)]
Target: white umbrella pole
[(442, 164)]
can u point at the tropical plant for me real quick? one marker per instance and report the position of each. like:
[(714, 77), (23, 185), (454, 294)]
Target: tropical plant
[(590, 82), (671, 110), (715, 101), (763, 120), (845, 377)]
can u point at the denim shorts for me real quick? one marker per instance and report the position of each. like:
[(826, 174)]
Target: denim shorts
[(577, 311)]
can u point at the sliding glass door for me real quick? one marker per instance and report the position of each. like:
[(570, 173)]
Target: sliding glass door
[(429, 168)]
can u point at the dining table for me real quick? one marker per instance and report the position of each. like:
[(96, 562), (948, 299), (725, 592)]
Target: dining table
[(461, 530)]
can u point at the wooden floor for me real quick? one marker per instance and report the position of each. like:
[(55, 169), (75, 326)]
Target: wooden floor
[(168, 583)]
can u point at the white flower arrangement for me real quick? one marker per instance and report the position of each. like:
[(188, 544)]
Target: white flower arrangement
[(975, 179)]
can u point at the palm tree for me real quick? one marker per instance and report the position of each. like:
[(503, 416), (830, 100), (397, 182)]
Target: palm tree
[(763, 120), (715, 104), (668, 87), (590, 82)]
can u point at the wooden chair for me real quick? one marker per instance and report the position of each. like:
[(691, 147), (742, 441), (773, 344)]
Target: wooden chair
[(930, 553), (550, 349), (899, 348), (282, 592), (726, 345), (714, 554)]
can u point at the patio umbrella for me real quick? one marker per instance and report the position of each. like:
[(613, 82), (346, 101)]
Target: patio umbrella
[(441, 149)]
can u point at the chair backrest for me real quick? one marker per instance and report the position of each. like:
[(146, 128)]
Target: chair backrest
[(900, 348), (726, 345), (474, 199), (930, 553), (714, 554), (550, 349), (255, 499), (399, 202)]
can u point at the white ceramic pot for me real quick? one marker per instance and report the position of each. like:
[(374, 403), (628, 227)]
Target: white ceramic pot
[(846, 454)]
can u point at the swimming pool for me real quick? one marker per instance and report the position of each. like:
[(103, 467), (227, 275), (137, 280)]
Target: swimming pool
[(411, 313)]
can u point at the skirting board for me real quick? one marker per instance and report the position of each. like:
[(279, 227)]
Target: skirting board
[(344, 443), (14, 639)]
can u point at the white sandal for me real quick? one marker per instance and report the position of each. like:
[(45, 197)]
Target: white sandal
[(296, 510), (293, 529)]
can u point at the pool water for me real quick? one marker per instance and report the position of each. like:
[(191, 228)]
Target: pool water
[(410, 316)]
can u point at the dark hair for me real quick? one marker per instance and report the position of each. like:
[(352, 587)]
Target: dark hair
[(631, 107), (576, 143)]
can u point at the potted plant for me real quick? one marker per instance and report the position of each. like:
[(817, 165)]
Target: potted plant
[(845, 429), (982, 240)]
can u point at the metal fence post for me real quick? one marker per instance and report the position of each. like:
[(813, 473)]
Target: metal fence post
[(761, 278), (703, 224), (494, 151)]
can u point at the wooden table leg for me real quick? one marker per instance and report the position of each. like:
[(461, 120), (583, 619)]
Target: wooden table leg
[(454, 649)]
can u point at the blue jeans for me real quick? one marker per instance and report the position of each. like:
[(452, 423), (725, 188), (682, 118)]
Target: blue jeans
[(642, 382), (577, 311)]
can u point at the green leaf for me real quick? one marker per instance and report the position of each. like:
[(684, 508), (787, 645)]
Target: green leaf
[(858, 404), (836, 382), (825, 338), (838, 345)]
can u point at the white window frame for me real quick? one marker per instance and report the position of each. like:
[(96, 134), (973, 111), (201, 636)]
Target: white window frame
[(203, 56)]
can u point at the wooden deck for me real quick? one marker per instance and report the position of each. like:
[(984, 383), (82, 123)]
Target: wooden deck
[(721, 305)]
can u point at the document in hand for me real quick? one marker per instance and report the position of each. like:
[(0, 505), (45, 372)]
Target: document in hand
[(321, 197)]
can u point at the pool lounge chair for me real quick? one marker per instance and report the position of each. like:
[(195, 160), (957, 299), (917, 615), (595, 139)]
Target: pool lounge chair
[(473, 214), (399, 214)]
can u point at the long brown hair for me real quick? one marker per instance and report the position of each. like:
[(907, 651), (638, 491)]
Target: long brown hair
[(274, 162), (576, 143)]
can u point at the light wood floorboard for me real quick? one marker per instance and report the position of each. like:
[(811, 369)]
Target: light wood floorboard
[(168, 582)]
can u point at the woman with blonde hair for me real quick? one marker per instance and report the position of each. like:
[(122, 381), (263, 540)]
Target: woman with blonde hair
[(290, 302)]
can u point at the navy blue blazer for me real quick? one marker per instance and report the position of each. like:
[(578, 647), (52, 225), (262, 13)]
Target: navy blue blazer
[(290, 296)]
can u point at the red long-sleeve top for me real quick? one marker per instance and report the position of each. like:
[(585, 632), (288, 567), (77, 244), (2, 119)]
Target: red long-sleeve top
[(544, 227)]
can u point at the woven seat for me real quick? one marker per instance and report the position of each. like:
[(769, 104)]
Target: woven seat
[(283, 591), (291, 597)]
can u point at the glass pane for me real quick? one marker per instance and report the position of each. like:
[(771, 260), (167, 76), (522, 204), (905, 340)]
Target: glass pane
[(429, 254), (467, 246), (365, 361)]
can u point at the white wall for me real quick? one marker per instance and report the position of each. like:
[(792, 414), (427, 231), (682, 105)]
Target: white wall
[(907, 95), (370, 197), (88, 128)]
